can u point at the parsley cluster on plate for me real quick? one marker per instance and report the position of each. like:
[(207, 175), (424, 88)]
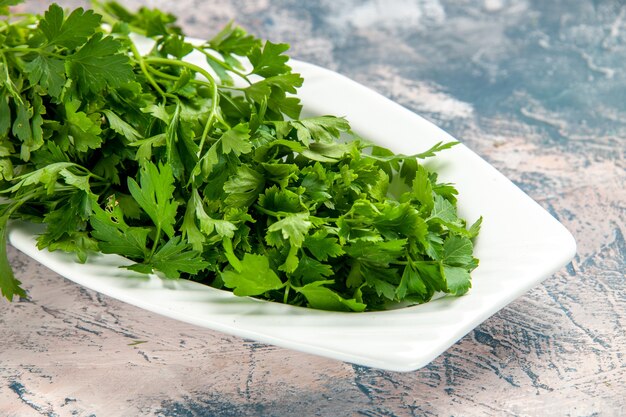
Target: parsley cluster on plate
[(210, 175)]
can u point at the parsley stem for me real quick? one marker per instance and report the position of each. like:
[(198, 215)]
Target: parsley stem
[(142, 65), (286, 294), (157, 238), (215, 96), (38, 50), (193, 80), (268, 212), (222, 64)]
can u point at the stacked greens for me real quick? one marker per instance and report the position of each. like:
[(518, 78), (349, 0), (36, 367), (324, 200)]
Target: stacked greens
[(190, 174)]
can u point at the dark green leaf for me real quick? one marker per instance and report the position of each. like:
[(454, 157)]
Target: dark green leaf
[(176, 257), (71, 32), (244, 187), (47, 72), (98, 65), (155, 195)]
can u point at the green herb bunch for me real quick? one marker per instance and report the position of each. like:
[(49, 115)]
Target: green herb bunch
[(210, 175)]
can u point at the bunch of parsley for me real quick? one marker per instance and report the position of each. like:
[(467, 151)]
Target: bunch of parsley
[(211, 176)]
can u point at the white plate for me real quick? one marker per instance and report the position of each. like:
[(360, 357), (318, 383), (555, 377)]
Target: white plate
[(520, 245)]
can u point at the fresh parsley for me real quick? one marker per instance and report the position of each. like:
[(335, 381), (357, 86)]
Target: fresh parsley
[(211, 175)]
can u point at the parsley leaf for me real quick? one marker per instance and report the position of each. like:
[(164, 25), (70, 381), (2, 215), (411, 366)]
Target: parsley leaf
[(270, 60), (173, 259), (47, 72), (71, 32), (98, 65), (255, 277), (163, 161), (9, 285), (115, 236), (154, 195), (293, 227), (324, 298)]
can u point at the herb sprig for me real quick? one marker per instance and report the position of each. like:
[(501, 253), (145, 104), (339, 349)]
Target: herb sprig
[(210, 175)]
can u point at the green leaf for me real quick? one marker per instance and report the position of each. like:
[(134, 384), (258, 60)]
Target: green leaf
[(270, 60), (443, 210), (401, 220), (122, 127), (175, 45), (71, 32), (379, 253), (234, 40), (47, 72), (190, 229), (21, 125), (223, 228), (475, 228), (6, 169), (77, 242), (422, 189), (79, 181), (66, 219), (98, 65), (457, 251), (439, 146), (280, 172), (270, 93), (155, 195), (10, 2), (176, 257), (244, 187), (325, 129), (327, 152), (310, 270), (457, 279), (323, 298), (291, 261), (84, 129), (293, 227), (237, 140), (5, 117), (432, 275), (277, 200), (47, 176), (255, 277), (9, 285), (377, 280), (323, 247), (410, 283), (115, 236)]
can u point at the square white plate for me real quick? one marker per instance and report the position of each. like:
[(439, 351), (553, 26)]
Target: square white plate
[(520, 245)]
